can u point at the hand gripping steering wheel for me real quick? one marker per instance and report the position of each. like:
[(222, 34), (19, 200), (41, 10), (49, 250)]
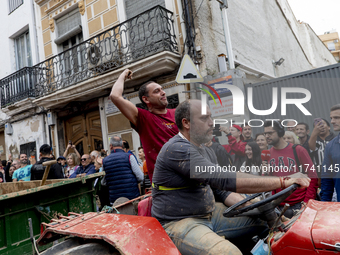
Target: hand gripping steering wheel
[(258, 208)]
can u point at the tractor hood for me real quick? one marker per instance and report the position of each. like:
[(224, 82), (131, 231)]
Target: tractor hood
[(326, 226)]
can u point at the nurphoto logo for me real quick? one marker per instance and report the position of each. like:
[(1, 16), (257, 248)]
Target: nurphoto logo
[(239, 100)]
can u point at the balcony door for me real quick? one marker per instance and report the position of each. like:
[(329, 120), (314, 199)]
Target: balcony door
[(85, 132)]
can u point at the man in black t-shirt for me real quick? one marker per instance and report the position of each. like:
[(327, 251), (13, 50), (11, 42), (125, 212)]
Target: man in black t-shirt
[(37, 170)]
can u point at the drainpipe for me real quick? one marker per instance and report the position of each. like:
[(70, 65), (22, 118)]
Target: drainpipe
[(44, 127), (35, 34), (224, 7)]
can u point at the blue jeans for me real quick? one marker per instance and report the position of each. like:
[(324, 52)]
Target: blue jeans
[(209, 235)]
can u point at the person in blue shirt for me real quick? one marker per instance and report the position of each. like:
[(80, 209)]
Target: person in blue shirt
[(330, 171), (86, 167), (23, 173)]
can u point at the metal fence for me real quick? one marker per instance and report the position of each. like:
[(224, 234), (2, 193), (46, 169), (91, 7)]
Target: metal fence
[(18, 86), (323, 84), (146, 34), (142, 36)]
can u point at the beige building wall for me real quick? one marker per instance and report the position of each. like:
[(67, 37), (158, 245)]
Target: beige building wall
[(101, 15), (50, 11), (330, 40)]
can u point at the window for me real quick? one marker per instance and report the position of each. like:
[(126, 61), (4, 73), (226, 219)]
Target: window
[(70, 34), (23, 51), (23, 83), (336, 41), (14, 4), (29, 149), (331, 46)]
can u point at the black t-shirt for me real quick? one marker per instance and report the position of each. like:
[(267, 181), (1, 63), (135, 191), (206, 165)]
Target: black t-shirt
[(37, 170), (318, 154)]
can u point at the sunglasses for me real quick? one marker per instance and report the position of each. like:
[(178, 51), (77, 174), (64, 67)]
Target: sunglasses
[(84, 159)]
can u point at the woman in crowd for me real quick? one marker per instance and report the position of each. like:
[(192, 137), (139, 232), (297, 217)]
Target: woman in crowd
[(72, 164), (146, 182), (253, 162), (98, 164), (71, 146), (10, 173), (291, 137), (261, 141)]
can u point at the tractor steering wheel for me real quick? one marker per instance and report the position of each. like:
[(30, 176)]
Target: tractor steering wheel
[(257, 208)]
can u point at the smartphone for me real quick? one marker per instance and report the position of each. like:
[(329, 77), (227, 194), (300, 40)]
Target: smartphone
[(316, 121), (216, 131), (70, 142)]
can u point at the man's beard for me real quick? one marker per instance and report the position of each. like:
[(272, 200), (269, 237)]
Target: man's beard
[(200, 139), (274, 142), (24, 161)]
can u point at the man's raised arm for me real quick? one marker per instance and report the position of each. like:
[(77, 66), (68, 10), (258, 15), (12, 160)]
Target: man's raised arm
[(125, 106)]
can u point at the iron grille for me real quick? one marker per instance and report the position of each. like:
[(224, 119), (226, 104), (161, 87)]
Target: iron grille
[(18, 86), (142, 36)]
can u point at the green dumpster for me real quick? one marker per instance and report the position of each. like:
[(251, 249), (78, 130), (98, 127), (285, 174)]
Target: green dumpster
[(20, 201)]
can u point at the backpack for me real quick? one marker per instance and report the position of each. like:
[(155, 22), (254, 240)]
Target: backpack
[(298, 164)]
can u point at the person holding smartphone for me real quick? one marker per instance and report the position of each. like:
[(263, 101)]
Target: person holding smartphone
[(69, 146), (319, 138)]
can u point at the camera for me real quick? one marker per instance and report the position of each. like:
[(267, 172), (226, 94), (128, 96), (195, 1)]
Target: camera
[(216, 131)]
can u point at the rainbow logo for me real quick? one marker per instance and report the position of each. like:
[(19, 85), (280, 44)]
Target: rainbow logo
[(208, 92)]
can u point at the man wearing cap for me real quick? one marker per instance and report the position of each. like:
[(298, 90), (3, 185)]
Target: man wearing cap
[(236, 146), (37, 170)]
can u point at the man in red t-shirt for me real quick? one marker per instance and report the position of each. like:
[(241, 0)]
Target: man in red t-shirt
[(156, 125), (283, 163)]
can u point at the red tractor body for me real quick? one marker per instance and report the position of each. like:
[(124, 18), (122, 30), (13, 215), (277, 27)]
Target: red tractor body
[(318, 225)]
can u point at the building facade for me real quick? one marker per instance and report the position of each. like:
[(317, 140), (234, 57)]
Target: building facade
[(63, 56), (331, 40)]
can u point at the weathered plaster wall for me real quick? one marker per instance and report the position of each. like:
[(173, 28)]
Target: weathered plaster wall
[(25, 131), (260, 33)]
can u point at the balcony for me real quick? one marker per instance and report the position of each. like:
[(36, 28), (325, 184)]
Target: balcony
[(18, 86), (140, 38)]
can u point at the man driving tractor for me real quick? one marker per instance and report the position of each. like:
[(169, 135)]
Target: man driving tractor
[(183, 200)]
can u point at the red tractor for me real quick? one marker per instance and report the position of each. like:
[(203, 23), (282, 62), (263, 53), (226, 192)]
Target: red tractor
[(314, 230)]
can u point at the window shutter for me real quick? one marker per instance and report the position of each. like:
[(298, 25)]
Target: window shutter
[(67, 23)]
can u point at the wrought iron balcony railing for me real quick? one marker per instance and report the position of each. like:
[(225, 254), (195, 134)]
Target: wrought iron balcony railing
[(142, 36), (18, 86)]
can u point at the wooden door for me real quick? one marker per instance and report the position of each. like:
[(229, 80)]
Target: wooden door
[(85, 132)]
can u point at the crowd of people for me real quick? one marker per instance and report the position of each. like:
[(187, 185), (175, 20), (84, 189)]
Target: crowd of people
[(189, 204), (70, 165), (184, 201)]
